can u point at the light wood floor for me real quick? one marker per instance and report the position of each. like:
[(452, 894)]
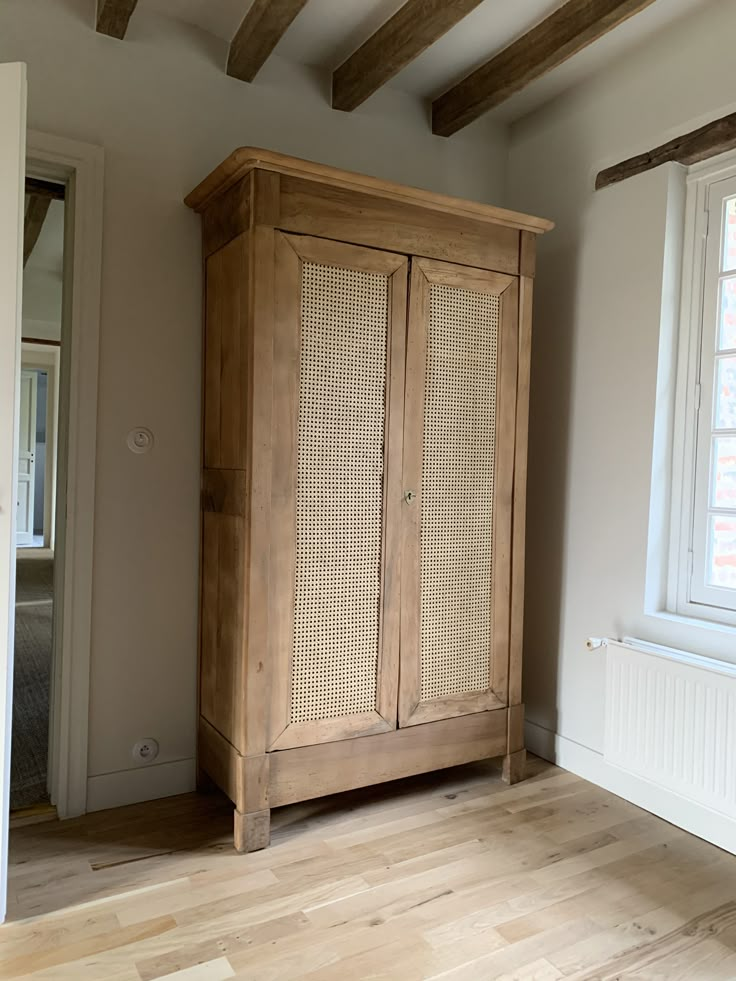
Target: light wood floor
[(453, 876)]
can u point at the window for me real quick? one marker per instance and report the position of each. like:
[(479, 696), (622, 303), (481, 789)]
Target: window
[(705, 564)]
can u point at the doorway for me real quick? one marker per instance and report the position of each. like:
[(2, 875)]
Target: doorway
[(69, 174), (34, 636), (79, 169)]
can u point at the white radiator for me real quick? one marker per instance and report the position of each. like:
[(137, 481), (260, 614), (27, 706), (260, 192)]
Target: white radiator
[(671, 720)]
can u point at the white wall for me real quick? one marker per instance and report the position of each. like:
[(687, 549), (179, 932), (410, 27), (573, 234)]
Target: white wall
[(166, 113), (604, 297)]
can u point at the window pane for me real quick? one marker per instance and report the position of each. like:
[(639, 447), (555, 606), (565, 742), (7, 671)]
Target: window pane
[(726, 393), (729, 244), (727, 330), (723, 493), (722, 552)]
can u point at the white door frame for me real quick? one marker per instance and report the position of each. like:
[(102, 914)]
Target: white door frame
[(45, 357), (12, 175), (80, 166)]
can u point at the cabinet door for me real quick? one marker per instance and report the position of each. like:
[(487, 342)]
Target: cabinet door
[(339, 360), (462, 354)]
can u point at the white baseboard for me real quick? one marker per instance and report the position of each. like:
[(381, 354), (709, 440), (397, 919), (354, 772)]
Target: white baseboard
[(140, 784), (710, 825)]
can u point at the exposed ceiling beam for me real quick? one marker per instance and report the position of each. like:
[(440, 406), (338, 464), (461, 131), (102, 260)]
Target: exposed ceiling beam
[(701, 144), (568, 30), (411, 30), (34, 185), (113, 16), (36, 211), (263, 27)]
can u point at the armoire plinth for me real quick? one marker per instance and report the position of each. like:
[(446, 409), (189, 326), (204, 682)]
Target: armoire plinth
[(365, 408)]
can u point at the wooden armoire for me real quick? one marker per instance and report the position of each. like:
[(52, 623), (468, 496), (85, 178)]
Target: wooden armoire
[(366, 383)]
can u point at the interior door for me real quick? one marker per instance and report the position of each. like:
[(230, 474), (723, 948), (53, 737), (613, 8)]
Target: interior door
[(26, 457), (462, 353), (12, 178), (338, 377)]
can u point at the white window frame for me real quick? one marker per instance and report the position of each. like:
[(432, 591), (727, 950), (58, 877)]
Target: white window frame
[(708, 185)]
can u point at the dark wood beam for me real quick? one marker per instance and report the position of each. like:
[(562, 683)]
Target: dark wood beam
[(411, 30), (40, 340), (113, 17), (568, 30), (701, 144), (263, 26), (36, 211), (34, 185)]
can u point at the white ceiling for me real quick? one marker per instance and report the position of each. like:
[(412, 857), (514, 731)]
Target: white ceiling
[(328, 31)]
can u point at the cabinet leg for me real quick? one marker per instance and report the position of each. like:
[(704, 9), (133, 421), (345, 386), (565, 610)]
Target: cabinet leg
[(252, 830), (514, 767)]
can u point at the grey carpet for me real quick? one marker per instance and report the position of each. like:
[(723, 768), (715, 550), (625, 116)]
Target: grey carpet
[(34, 579), (31, 683)]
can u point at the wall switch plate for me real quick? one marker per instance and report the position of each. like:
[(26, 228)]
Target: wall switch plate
[(140, 440)]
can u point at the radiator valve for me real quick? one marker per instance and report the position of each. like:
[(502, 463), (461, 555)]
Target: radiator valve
[(595, 643)]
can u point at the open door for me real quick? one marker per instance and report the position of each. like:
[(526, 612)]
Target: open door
[(26, 457), (12, 178)]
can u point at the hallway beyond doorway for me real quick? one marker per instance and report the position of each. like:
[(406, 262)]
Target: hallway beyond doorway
[(31, 682)]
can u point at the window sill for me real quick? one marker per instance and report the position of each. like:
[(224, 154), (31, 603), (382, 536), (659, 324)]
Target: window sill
[(695, 623)]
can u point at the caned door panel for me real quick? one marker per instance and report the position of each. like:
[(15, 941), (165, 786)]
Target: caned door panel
[(462, 353), (339, 361)]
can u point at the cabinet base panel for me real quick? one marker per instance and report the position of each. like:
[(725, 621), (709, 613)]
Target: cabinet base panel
[(291, 775)]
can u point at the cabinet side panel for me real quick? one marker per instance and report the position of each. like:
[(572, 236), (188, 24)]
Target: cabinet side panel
[(221, 671), (225, 357), (226, 217)]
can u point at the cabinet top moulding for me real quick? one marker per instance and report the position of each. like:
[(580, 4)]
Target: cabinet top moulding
[(242, 161)]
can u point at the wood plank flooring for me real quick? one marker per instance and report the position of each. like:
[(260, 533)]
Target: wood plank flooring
[(451, 875)]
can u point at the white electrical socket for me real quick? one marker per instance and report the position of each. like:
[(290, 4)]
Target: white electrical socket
[(145, 751)]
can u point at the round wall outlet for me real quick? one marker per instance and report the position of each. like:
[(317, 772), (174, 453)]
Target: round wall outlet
[(145, 751)]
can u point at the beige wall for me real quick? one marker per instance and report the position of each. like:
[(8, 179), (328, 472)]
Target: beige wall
[(605, 298), (166, 113)]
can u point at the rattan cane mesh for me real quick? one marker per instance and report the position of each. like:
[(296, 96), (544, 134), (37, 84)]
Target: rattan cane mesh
[(339, 501), (457, 492)]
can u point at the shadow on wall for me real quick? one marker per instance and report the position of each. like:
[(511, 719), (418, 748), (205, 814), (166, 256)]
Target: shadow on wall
[(549, 439)]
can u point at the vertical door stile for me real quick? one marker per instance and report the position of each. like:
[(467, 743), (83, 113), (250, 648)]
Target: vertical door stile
[(286, 340), (390, 625), (416, 354), (504, 487)]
